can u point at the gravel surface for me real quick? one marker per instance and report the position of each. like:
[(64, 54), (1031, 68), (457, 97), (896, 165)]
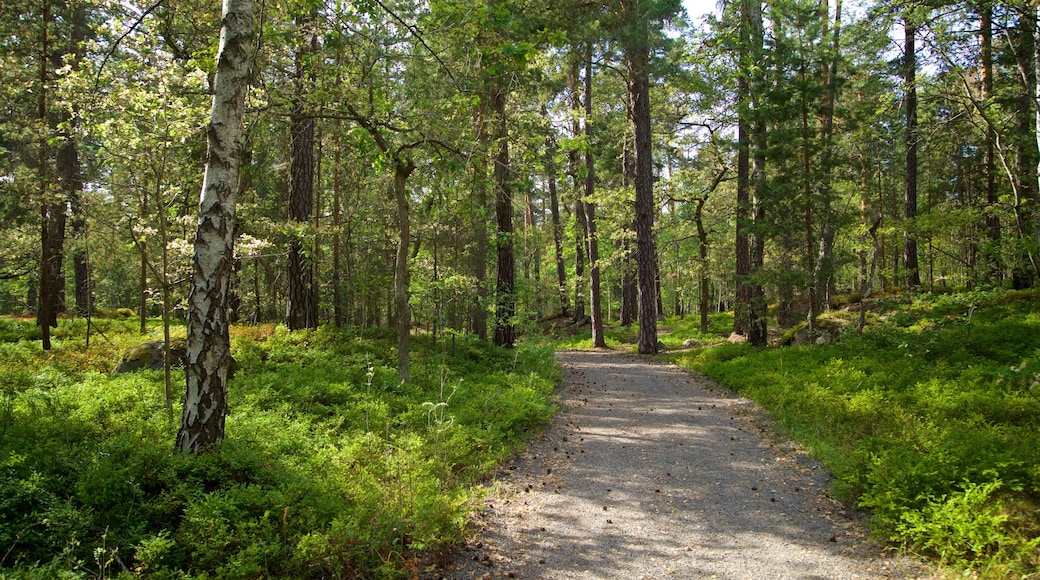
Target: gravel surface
[(647, 472)]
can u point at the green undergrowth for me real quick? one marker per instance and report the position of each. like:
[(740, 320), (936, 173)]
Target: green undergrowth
[(672, 333), (930, 420), (332, 468)]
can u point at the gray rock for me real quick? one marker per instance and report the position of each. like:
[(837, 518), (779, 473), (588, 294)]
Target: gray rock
[(149, 355)]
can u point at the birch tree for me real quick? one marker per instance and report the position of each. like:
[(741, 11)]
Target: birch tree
[(209, 348)]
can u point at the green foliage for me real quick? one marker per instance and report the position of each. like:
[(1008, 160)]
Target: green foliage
[(332, 467), (930, 420)]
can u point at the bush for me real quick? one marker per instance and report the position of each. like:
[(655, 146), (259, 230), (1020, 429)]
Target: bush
[(331, 466), (929, 420)]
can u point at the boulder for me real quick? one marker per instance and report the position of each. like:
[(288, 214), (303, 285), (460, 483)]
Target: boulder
[(149, 355)]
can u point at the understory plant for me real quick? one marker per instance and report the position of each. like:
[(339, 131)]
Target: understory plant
[(930, 420), (331, 468)]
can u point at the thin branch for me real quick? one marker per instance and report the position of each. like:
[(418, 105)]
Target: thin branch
[(111, 51), (415, 32)]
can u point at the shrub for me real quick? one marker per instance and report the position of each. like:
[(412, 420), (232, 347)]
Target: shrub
[(929, 420), (331, 466)]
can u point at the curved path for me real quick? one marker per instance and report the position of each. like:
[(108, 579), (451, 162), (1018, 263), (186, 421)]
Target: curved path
[(648, 473)]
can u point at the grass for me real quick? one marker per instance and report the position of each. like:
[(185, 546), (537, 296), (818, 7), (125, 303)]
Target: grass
[(930, 421), (334, 469), (331, 468)]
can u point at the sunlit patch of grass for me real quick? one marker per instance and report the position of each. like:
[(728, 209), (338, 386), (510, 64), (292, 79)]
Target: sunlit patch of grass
[(331, 468), (930, 420)]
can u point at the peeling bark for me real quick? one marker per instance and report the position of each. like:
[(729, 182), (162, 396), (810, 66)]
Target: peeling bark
[(208, 344)]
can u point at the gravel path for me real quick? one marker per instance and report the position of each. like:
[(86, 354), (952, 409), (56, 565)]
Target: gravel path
[(648, 473)]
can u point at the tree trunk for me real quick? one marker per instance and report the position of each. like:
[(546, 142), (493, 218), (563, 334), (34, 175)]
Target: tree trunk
[(991, 222), (637, 55), (301, 307), (45, 315), (337, 283), (402, 277), (1036, 112), (595, 303), (71, 174), (1026, 269), (629, 283), (742, 305), (757, 328), (505, 288), (208, 345), (807, 192), (702, 269), (557, 229), (581, 230), (823, 269), (910, 266), (478, 309)]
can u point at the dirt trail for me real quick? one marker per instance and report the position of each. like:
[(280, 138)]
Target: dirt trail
[(648, 473)]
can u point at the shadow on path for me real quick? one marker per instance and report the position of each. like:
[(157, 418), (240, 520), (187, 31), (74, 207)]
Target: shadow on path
[(648, 473)]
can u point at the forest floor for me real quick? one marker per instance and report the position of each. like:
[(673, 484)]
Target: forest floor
[(648, 472)]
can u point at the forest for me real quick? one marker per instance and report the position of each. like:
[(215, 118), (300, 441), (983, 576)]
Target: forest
[(406, 205)]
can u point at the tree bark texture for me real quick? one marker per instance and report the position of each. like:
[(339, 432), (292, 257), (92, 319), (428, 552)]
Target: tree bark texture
[(301, 308), (505, 288), (702, 270), (1027, 268), (742, 306), (580, 217), (208, 344), (402, 277), (337, 284), (46, 316), (823, 269), (910, 265), (638, 56), (757, 329), (629, 283), (991, 223), (478, 309)]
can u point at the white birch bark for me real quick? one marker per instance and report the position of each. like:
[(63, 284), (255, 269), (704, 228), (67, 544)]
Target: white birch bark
[(209, 356)]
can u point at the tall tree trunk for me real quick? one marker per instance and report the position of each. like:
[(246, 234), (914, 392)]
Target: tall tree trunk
[(807, 192), (750, 308), (702, 266), (823, 270), (581, 230), (402, 277), (557, 228), (637, 56), (742, 305), (45, 314), (337, 283), (209, 346), (757, 329), (595, 303), (991, 222), (301, 309), (629, 283), (71, 174), (1026, 268), (1036, 112), (505, 288), (910, 265), (478, 309)]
